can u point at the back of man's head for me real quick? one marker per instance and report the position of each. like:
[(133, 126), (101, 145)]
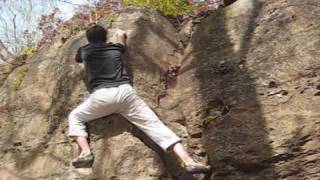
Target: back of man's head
[(96, 34)]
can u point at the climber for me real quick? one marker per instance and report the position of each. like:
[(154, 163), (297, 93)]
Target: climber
[(112, 93)]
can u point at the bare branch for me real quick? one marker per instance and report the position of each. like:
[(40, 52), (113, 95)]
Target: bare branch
[(6, 28), (15, 27), (68, 2), (14, 23), (29, 12)]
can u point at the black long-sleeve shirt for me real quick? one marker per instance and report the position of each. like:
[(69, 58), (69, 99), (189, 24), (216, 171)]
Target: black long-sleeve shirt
[(103, 65)]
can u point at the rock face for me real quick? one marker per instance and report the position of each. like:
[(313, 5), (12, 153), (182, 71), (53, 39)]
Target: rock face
[(249, 78), (244, 95)]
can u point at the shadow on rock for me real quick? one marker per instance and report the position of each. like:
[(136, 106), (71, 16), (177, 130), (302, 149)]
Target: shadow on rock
[(235, 134)]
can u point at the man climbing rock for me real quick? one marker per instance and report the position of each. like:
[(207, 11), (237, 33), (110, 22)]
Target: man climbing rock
[(112, 93)]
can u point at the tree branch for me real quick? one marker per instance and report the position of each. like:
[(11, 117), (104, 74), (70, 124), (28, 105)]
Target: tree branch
[(6, 29), (64, 1)]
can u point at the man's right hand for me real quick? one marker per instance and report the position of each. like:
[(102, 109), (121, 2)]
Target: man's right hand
[(121, 36)]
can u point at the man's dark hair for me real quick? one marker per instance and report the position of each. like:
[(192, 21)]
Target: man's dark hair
[(96, 34)]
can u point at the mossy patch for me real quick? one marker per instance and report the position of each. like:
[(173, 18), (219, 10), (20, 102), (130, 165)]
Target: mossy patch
[(22, 73), (28, 50), (219, 112), (167, 7), (207, 120)]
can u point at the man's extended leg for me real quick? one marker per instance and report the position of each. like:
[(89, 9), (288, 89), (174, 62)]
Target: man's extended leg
[(139, 114)]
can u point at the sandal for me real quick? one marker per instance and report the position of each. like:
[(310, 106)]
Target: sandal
[(85, 160), (197, 168)]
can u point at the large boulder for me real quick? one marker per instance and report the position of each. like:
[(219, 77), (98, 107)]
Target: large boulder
[(37, 97)]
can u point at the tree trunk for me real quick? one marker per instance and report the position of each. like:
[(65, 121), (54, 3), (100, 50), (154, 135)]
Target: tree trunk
[(5, 55)]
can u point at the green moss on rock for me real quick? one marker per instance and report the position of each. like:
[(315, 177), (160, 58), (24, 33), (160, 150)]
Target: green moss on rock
[(22, 73)]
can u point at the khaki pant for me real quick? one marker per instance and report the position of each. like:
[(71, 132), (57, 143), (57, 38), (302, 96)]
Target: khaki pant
[(123, 100)]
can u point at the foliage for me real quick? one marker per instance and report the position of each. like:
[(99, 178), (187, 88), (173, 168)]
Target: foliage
[(95, 11), (22, 73), (80, 19), (168, 7), (221, 111), (84, 15), (28, 50), (105, 11), (48, 25), (107, 8)]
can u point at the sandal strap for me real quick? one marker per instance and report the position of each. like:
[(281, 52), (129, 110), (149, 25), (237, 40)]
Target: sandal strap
[(84, 155)]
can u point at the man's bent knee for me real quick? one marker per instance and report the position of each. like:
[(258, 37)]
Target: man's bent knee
[(77, 127)]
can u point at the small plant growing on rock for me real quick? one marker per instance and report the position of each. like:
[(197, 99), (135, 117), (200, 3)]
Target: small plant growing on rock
[(28, 50), (207, 120), (22, 73), (221, 111)]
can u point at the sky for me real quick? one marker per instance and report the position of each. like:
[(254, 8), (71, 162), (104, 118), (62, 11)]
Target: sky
[(25, 22)]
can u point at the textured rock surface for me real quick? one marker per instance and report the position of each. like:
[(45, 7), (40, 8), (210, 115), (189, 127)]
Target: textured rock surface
[(33, 120), (245, 97), (250, 74)]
